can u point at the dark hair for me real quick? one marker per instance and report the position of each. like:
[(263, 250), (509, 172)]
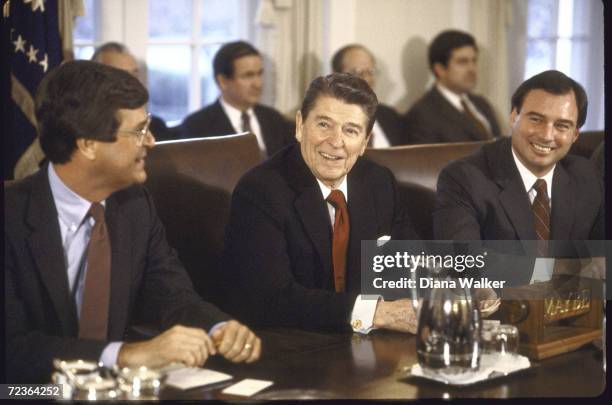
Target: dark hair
[(338, 58), (223, 63), (555, 82), (108, 47), (444, 43), (80, 99), (342, 86)]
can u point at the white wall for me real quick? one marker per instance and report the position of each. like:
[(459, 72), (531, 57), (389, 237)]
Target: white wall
[(397, 32)]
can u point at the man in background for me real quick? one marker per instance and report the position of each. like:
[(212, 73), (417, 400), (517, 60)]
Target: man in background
[(86, 256), (449, 111), (117, 55), (359, 61), (238, 71)]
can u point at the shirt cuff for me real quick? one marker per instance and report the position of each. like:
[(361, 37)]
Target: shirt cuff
[(215, 327), (110, 353), (362, 317)]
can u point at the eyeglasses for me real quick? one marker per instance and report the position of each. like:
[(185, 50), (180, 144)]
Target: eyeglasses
[(139, 133), (363, 73)]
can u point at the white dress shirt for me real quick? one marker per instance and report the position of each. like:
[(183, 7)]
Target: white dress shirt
[(543, 267), (379, 138), (455, 100), (235, 117), (362, 316)]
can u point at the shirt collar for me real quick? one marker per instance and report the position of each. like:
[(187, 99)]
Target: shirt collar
[(71, 207), (326, 191), (529, 178), (234, 114), (450, 96)]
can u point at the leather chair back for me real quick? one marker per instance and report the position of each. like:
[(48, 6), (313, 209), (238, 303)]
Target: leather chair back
[(191, 182), (416, 169), (586, 143)]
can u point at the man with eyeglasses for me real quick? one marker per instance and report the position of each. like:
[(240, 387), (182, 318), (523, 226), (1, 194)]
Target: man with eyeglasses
[(359, 61), (86, 255), (238, 71)]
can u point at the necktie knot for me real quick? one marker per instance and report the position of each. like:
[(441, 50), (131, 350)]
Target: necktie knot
[(540, 187), (97, 212), (336, 198)]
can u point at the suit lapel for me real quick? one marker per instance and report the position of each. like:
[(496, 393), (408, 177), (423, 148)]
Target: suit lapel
[(121, 268), (363, 222), (456, 117), (267, 132), (563, 205), (311, 209), (513, 196), (222, 124), (45, 244)]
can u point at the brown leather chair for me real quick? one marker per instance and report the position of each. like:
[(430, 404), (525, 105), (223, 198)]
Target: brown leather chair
[(416, 169), (191, 182), (586, 143)]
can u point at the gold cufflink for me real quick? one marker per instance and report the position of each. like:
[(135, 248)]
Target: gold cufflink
[(356, 324)]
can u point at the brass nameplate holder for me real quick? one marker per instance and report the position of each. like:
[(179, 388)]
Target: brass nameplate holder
[(555, 316)]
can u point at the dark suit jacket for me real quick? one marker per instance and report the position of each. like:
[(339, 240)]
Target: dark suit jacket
[(161, 131), (277, 132), (41, 315), (483, 197), (277, 257), (391, 123), (433, 119)]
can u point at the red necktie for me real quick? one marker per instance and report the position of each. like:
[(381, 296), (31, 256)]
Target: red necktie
[(93, 322), (340, 239), (541, 213), (482, 130)]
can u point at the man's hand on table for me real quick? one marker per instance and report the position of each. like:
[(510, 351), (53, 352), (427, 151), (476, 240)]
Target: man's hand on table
[(236, 342), (190, 346), (396, 315)]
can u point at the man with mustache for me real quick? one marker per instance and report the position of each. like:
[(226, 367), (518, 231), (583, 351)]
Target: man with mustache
[(292, 253), (449, 112), (238, 70), (86, 255)]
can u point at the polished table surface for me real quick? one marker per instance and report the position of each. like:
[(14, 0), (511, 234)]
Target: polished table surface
[(304, 364)]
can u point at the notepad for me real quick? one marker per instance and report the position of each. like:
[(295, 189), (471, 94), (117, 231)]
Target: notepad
[(191, 377), (247, 387)]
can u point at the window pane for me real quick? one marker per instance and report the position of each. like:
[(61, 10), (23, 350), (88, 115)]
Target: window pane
[(85, 26), (542, 18), (83, 52), (209, 88), (220, 19), (170, 19), (540, 57), (168, 78)]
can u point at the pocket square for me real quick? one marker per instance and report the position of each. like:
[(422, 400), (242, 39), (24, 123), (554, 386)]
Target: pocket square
[(382, 240)]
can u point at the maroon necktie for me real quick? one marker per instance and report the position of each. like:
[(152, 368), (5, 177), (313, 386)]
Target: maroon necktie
[(93, 322), (341, 238), (541, 214), (482, 130)]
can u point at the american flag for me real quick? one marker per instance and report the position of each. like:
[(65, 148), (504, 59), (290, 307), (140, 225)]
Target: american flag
[(35, 48)]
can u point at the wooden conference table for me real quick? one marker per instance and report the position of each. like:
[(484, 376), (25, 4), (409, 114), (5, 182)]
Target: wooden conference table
[(306, 365)]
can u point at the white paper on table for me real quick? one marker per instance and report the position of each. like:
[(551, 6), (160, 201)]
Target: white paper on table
[(191, 377), (247, 387)]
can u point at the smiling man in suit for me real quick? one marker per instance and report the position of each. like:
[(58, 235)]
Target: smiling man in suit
[(238, 70), (293, 242), (526, 187), (85, 253), (449, 111)]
